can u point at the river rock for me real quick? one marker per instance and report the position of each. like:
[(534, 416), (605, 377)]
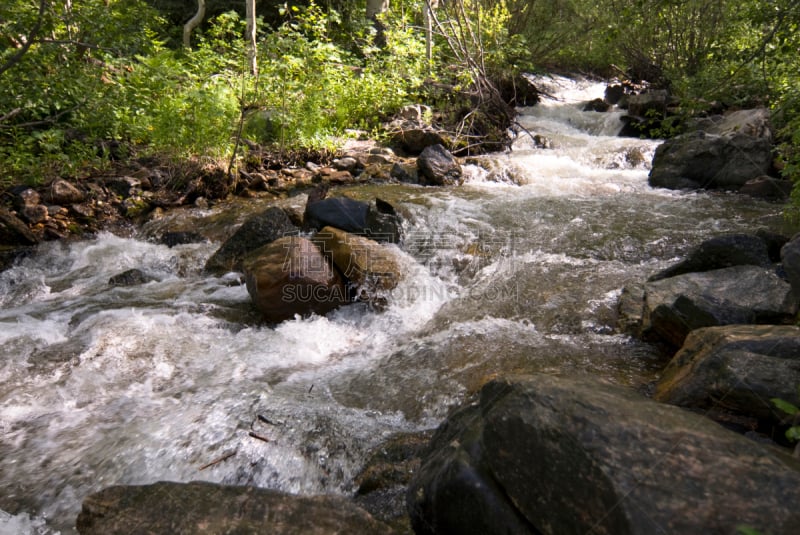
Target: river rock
[(740, 367), (174, 238), (741, 294), (256, 231), (553, 455), (384, 224), (372, 268), (753, 122), (209, 508), (438, 167), (700, 160), (131, 277), (597, 104), (13, 231), (340, 212), (291, 276), (722, 152), (768, 188), (64, 193), (790, 258), (721, 252), (648, 103)]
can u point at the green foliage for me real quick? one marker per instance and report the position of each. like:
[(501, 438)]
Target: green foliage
[(793, 433), (314, 88)]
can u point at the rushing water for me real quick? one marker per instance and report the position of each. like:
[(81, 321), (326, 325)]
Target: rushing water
[(517, 271)]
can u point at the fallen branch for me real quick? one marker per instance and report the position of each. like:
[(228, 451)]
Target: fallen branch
[(218, 460)]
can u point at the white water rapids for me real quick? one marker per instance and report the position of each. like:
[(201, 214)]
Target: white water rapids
[(517, 271)]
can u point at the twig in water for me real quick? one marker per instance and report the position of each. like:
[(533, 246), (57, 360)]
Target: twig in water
[(266, 420), (312, 388), (257, 436), (218, 460)]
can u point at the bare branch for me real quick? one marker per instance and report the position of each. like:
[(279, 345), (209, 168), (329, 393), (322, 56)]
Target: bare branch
[(16, 58)]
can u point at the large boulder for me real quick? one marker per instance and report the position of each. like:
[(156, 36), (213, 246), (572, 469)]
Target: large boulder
[(209, 508), (378, 220), (721, 252), (738, 367), (552, 455), (370, 267), (438, 167), (340, 212), (256, 231), (291, 276), (753, 122), (741, 294), (701, 160)]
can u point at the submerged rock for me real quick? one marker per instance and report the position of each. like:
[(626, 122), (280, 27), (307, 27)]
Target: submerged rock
[(255, 232), (552, 455), (209, 508), (291, 276), (740, 367), (132, 277), (741, 294)]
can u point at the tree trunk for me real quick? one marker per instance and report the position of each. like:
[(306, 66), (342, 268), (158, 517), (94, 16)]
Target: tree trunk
[(251, 36), (193, 23), (376, 7), (427, 17)]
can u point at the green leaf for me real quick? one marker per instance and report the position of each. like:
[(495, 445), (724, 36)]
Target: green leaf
[(785, 406), (793, 433)]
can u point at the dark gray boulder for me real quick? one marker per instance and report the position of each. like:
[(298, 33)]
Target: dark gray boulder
[(597, 104), (648, 104), (255, 232), (377, 220), (340, 212), (790, 258), (438, 167), (209, 508), (700, 160), (741, 294), (740, 367), (721, 252), (580, 456)]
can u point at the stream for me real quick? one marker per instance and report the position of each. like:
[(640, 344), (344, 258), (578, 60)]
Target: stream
[(516, 271)]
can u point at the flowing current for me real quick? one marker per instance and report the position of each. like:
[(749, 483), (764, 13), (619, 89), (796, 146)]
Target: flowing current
[(517, 271)]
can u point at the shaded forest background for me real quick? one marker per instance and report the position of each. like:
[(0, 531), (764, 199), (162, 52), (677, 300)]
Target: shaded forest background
[(84, 83)]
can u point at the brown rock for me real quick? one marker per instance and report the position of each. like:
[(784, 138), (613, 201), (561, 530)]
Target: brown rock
[(62, 192), (291, 276), (366, 263)]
